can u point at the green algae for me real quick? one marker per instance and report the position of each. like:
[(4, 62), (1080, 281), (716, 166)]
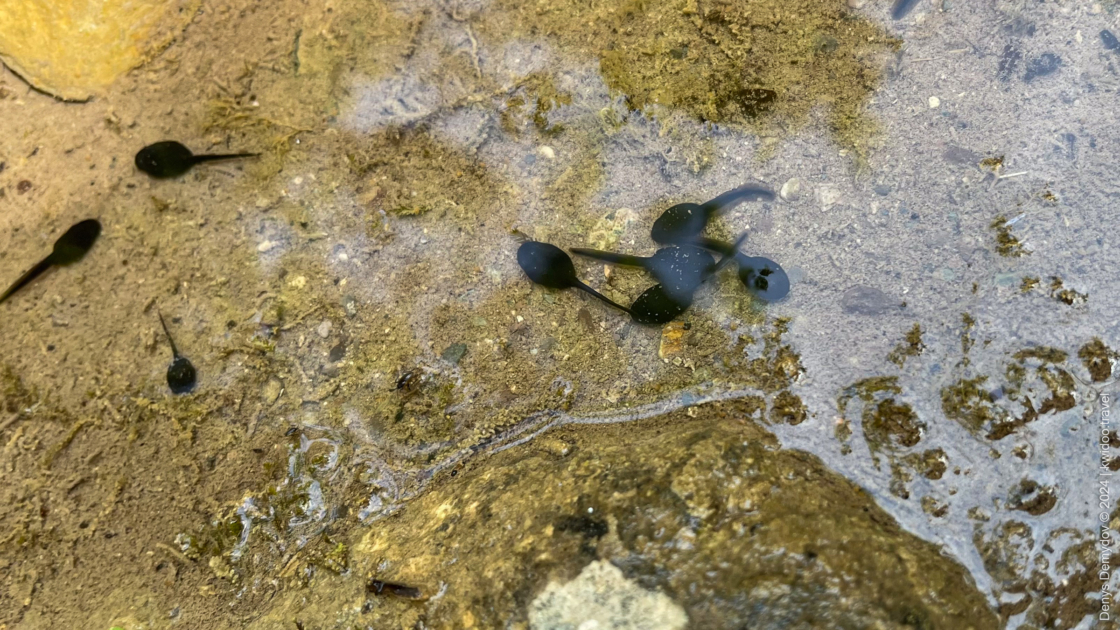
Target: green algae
[(763, 65), (911, 346), (1097, 359), (888, 424), (1007, 245)]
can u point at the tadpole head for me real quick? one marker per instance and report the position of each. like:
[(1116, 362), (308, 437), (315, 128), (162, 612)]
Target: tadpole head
[(764, 278), (164, 159), (547, 265), (76, 242), (181, 376), (680, 224)]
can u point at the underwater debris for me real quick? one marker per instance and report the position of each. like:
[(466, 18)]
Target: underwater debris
[(901, 8), (1006, 244), (1066, 296), (71, 247), (379, 587), (912, 346), (181, 376), (171, 159), (1097, 359)]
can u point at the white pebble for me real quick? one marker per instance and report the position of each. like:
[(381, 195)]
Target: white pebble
[(934, 102), (324, 329), (265, 246), (547, 152), (791, 190)]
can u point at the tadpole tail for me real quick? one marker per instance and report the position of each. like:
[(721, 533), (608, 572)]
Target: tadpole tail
[(26, 278), (611, 257), (732, 198), (580, 285), (174, 350), (226, 156), (730, 254)]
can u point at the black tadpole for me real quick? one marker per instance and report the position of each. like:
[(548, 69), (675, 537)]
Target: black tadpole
[(657, 305), (764, 278), (171, 159), (550, 266), (684, 222), (68, 249), (181, 376), (678, 269)]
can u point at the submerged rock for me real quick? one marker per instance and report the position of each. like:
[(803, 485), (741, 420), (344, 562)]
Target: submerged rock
[(697, 505), (601, 597)]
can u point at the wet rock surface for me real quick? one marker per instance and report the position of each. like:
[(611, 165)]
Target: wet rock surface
[(494, 538)]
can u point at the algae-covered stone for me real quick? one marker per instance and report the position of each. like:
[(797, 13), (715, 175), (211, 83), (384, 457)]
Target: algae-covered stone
[(669, 502), (72, 49)]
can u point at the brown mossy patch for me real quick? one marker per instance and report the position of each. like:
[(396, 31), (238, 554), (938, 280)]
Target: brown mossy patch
[(969, 404), (1029, 284), (404, 171), (1032, 497), (788, 409), (911, 346), (750, 64), (1007, 245), (1097, 359), (1006, 553), (931, 464), (1069, 297), (535, 96), (888, 424)]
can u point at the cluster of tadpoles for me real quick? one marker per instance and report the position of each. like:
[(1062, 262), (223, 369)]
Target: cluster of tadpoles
[(680, 268), (160, 160)]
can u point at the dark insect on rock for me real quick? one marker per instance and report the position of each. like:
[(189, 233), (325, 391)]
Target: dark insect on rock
[(379, 587), (181, 376), (171, 159), (71, 247), (408, 382)]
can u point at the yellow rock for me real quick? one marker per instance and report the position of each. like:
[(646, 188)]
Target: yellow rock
[(73, 49), (672, 340)]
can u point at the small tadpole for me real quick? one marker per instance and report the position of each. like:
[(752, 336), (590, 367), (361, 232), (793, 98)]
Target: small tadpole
[(171, 159), (181, 376), (71, 247), (380, 587), (684, 222), (550, 266)]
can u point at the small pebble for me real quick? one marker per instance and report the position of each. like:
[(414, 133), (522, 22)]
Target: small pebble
[(324, 329), (934, 102), (856, 4), (265, 246), (791, 190), (547, 152), (672, 340), (271, 391)]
